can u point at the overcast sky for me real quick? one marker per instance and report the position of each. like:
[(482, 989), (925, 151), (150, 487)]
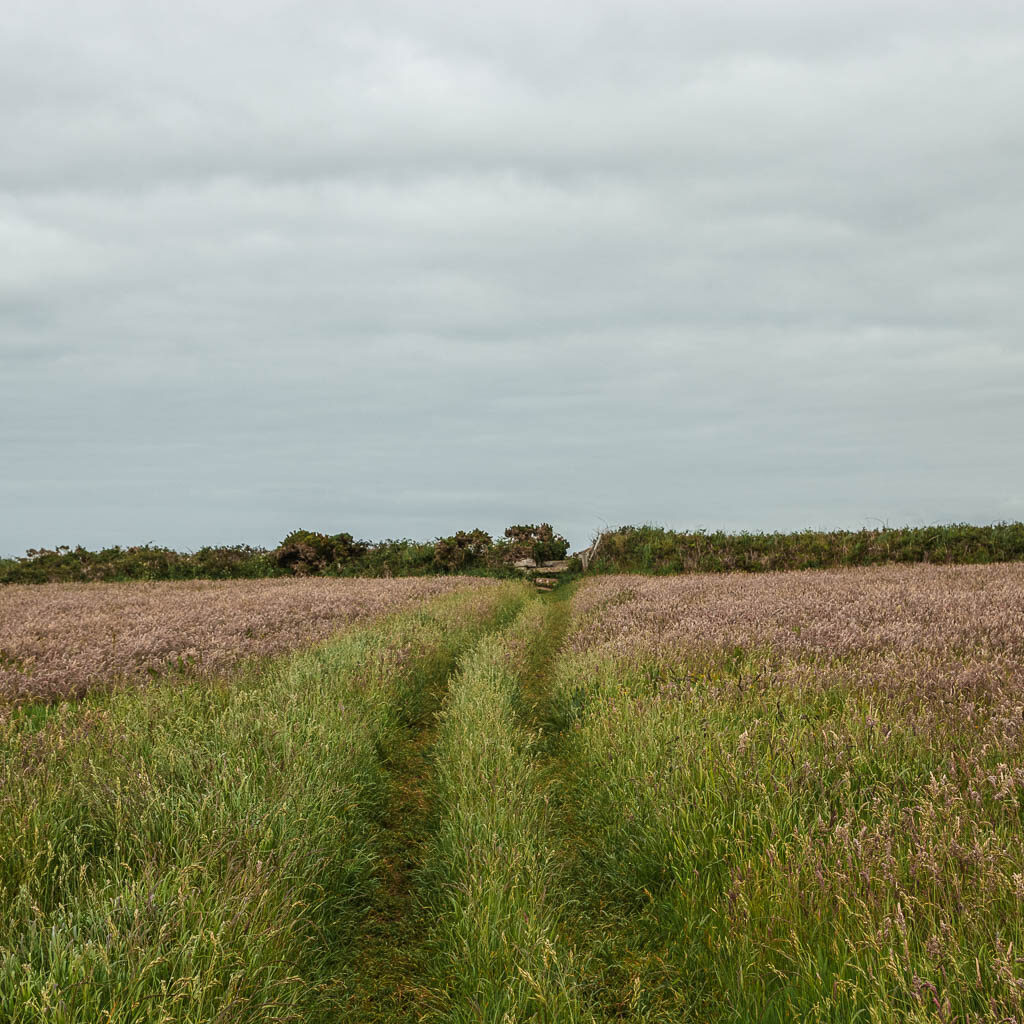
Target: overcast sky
[(404, 268)]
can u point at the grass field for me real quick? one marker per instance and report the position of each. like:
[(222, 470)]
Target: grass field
[(63, 640), (777, 797)]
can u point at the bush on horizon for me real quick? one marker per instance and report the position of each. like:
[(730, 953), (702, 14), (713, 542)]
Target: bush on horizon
[(653, 549), (637, 549)]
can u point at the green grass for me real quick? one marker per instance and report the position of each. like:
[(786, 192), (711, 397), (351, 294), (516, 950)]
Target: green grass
[(208, 852), (491, 876), (454, 815), (751, 854)]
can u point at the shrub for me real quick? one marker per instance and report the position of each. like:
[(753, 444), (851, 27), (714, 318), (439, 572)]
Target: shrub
[(463, 550), (657, 550), (540, 543), (65, 564), (304, 552)]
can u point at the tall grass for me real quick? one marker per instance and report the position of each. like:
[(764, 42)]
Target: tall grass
[(491, 875), (715, 799), (202, 853), (778, 835)]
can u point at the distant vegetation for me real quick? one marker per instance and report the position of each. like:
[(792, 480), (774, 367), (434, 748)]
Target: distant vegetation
[(146, 562), (651, 549), (301, 553), (643, 549)]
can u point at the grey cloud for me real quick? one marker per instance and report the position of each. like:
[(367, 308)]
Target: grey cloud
[(399, 268)]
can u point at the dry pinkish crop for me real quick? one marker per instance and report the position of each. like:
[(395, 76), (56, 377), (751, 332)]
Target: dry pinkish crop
[(834, 612), (944, 634), (59, 640)]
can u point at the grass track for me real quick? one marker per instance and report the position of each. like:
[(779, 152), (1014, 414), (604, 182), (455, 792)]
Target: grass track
[(491, 876), (387, 978), (473, 771), (366, 831)]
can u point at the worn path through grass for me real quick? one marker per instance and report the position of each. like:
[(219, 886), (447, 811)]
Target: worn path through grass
[(400, 970), (384, 981), (537, 712)]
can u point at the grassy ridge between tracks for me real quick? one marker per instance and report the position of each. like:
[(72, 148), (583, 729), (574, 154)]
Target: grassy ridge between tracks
[(493, 875)]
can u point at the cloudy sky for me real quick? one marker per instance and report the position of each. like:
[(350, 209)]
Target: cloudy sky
[(402, 268)]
